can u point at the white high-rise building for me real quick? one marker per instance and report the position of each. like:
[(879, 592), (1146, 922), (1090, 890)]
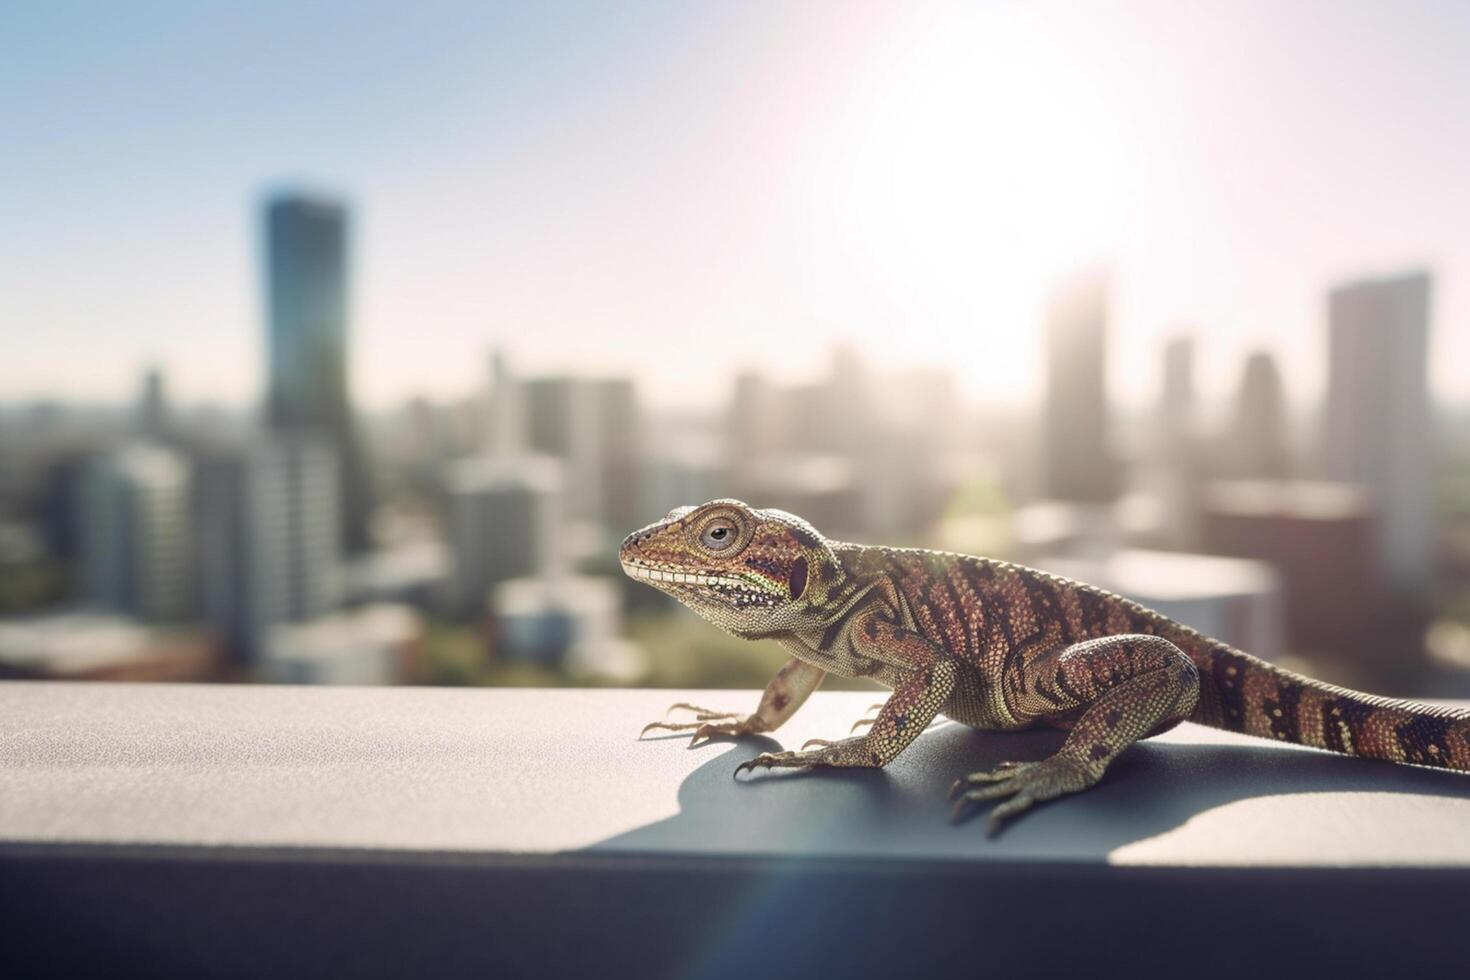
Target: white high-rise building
[(1377, 425), (501, 519), (135, 533), (1178, 472), (505, 405), (272, 538), (562, 420), (1078, 464)]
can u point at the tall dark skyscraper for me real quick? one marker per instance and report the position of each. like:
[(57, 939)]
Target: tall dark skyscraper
[(1078, 463), (306, 258)]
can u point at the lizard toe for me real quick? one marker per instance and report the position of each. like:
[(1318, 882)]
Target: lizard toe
[(1003, 771), (701, 714), (1019, 803), (1026, 783)]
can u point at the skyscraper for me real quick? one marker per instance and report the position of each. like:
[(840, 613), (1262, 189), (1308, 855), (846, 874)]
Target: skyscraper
[(270, 546), (502, 518), (1078, 464), (1377, 425), (563, 420), (620, 444), (1180, 473), (1258, 447), (154, 421), (1320, 539), (756, 420), (1177, 403), (505, 405), (306, 244), (135, 533)]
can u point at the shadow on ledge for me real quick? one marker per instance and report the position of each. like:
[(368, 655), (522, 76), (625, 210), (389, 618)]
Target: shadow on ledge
[(903, 811)]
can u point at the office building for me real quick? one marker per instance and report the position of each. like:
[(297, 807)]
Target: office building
[(756, 420), (1377, 424), (505, 405), (1321, 539), (271, 545), (568, 623), (1257, 445), (306, 246), (1179, 473), (135, 541), (502, 518), (562, 422), (1178, 401), (681, 474), (155, 422), (1078, 464), (619, 448), (594, 427)]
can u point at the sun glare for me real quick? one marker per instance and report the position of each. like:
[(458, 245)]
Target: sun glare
[(987, 165)]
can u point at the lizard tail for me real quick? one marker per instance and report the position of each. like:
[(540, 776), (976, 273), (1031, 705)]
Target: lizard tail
[(1241, 693)]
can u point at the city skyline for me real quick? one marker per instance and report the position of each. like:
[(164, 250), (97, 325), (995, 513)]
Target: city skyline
[(498, 509), (710, 171)]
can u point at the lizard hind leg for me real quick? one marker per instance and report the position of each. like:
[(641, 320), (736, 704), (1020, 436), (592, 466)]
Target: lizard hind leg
[(1127, 687)]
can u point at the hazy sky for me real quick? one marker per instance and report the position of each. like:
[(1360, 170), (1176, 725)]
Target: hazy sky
[(682, 189)]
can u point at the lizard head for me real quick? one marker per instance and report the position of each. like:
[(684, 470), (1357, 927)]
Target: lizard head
[(748, 571)]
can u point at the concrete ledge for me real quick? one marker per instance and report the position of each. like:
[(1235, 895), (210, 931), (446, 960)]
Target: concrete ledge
[(244, 830)]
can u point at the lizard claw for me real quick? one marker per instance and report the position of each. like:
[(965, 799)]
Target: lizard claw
[(763, 761), (1026, 783), (701, 714), (846, 753), (873, 709), (750, 765), (706, 723), (1004, 770)]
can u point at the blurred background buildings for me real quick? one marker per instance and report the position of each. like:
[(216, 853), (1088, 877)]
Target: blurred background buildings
[(1299, 486)]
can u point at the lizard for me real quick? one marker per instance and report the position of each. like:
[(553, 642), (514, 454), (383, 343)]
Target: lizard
[(993, 645)]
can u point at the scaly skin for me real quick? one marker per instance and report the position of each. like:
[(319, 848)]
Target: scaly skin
[(995, 646)]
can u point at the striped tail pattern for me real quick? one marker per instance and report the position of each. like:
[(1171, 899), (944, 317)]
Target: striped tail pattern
[(1241, 693)]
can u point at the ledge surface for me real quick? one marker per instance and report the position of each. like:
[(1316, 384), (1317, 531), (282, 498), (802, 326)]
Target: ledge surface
[(307, 832), (547, 772)]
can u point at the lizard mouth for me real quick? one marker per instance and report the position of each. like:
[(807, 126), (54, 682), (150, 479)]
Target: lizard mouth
[(671, 576), (714, 584)]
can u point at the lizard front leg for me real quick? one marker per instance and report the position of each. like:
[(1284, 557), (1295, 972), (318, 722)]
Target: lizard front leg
[(928, 680), (786, 692), (1125, 687)]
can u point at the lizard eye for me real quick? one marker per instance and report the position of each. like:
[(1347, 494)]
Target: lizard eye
[(719, 534)]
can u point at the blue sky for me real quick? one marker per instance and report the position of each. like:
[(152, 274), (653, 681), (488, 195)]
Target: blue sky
[(679, 190)]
